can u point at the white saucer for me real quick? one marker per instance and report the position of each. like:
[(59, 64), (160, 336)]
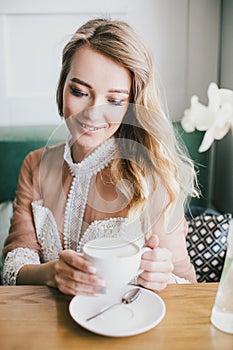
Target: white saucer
[(122, 320)]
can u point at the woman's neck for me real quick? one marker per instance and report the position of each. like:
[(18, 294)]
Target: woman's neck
[(79, 153)]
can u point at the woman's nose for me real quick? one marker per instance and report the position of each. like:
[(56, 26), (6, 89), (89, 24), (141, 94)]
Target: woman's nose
[(95, 112)]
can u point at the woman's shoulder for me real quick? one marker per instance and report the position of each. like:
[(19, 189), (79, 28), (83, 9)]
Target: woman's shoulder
[(35, 157)]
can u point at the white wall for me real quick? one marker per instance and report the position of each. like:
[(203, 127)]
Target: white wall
[(183, 36)]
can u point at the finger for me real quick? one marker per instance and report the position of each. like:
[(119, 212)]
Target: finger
[(72, 287), (72, 281), (152, 242), (69, 273), (155, 286), (156, 277), (158, 254), (156, 266), (80, 277), (77, 261), (79, 289)]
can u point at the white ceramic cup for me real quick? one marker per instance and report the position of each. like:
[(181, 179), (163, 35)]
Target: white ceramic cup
[(117, 260)]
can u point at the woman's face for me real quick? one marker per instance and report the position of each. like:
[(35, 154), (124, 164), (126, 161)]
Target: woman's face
[(95, 98)]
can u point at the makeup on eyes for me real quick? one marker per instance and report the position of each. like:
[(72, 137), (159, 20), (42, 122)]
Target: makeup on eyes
[(114, 99), (77, 92)]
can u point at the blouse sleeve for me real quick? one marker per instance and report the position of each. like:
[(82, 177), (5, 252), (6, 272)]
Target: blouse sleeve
[(15, 260), (171, 227), (21, 246)]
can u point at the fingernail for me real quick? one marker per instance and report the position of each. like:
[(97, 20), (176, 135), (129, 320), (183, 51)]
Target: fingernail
[(92, 269), (103, 290), (100, 282)]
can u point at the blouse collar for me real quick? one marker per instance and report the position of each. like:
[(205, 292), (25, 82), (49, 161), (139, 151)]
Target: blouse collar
[(94, 162)]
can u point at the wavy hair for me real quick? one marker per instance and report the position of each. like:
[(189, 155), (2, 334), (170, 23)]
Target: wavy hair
[(154, 153)]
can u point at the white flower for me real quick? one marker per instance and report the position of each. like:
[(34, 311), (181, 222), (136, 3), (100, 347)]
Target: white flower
[(216, 118)]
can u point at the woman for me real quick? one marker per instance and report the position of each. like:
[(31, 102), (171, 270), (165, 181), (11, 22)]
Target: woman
[(120, 173)]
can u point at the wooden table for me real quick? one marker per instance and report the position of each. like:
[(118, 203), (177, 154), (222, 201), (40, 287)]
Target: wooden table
[(37, 317)]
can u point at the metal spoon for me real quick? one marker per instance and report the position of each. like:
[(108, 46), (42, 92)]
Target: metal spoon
[(127, 298)]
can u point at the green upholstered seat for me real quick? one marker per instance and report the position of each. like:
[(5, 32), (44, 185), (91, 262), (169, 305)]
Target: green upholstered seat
[(15, 143)]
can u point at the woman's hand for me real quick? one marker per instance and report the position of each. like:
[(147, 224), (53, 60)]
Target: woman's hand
[(157, 266), (74, 275)]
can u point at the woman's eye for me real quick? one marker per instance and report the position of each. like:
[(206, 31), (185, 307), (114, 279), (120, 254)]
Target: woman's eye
[(76, 92), (116, 102)]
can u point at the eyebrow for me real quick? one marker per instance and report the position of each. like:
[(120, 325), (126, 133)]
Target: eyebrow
[(81, 82)]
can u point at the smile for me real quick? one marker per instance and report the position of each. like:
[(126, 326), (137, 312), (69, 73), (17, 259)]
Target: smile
[(91, 128)]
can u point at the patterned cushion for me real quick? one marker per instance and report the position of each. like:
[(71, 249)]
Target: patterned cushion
[(207, 243)]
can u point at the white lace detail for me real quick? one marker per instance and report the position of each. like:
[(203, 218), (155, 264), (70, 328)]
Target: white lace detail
[(113, 227), (77, 197), (15, 260), (46, 231)]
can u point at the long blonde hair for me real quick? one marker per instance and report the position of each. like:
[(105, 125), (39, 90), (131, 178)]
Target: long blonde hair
[(145, 124)]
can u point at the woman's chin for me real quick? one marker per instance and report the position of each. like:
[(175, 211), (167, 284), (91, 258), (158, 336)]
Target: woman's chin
[(87, 141)]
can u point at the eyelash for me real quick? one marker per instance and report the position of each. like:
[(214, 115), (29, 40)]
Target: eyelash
[(116, 102), (78, 93)]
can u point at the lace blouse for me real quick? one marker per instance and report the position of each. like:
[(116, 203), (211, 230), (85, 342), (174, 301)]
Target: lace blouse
[(51, 200)]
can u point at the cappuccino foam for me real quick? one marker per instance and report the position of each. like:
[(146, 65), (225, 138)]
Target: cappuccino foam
[(111, 247)]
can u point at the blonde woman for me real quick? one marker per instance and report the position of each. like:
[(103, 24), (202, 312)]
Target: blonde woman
[(121, 172)]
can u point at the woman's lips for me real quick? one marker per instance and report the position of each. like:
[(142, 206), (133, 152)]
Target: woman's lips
[(91, 127)]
